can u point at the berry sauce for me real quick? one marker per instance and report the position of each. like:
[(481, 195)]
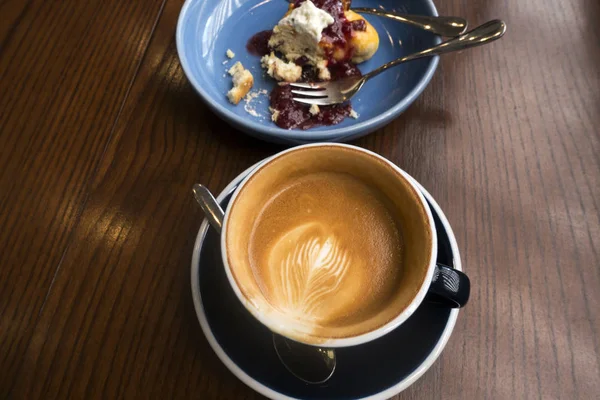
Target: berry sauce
[(258, 44), (294, 115), (359, 25)]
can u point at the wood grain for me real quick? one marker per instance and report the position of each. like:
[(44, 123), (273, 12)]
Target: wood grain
[(64, 75), (101, 138)]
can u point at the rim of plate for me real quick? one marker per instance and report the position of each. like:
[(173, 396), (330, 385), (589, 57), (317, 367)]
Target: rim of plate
[(280, 133), (267, 391)]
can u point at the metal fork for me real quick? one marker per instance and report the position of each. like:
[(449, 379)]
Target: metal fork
[(335, 92)]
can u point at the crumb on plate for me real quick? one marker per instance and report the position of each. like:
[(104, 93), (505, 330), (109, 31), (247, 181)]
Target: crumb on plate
[(250, 102), (242, 82), (274, 114)]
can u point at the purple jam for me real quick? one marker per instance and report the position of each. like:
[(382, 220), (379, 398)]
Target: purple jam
[(301, 61), (294, 115), (258, 44), (343, 69), (309, 74), (359, 25)]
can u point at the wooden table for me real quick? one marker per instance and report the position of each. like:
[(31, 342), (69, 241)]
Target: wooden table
[(102, 137)]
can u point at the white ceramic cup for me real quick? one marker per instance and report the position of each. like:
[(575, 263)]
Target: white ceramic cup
[(439, 283)]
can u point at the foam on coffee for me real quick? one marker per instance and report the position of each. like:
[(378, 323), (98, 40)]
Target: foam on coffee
[(316, 242), (321, 244)]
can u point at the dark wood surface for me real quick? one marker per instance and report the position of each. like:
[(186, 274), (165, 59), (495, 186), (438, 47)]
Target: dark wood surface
[(102, 137)]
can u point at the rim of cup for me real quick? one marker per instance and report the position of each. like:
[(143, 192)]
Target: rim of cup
[(351, 340)]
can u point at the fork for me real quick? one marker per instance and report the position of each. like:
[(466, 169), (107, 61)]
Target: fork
[(335, 92)]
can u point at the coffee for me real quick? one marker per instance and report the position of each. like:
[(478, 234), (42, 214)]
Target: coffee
[(323, 243), (317, 247)]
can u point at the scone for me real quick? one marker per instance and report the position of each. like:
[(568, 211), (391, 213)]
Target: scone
[(364, 43), (316, 40), (310, 33)]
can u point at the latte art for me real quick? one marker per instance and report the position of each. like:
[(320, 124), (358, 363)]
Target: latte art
[(325, 252), (306, 267)]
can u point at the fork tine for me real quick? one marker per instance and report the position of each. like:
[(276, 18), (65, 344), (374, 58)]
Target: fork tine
[(311, 93), (308, 85), (320, 102)]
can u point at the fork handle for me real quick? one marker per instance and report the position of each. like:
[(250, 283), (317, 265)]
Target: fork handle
[(443, 26), (483, 34)]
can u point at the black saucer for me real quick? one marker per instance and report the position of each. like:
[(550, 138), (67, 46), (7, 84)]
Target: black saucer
[(380, 368)]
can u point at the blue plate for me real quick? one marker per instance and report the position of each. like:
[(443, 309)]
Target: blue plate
[(377, 370), (207, 28)]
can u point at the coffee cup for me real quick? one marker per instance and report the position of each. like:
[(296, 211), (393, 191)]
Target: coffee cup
[(332, 245)]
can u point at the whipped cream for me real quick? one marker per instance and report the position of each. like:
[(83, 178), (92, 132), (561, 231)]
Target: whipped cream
[(299, 33), (308, 20)]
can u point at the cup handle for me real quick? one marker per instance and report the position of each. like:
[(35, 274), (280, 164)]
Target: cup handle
[(449, 287)]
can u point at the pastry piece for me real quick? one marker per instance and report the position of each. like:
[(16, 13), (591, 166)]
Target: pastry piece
[(242, 82), (322, 71), (363, 42), (281, 70), (299, 33)]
